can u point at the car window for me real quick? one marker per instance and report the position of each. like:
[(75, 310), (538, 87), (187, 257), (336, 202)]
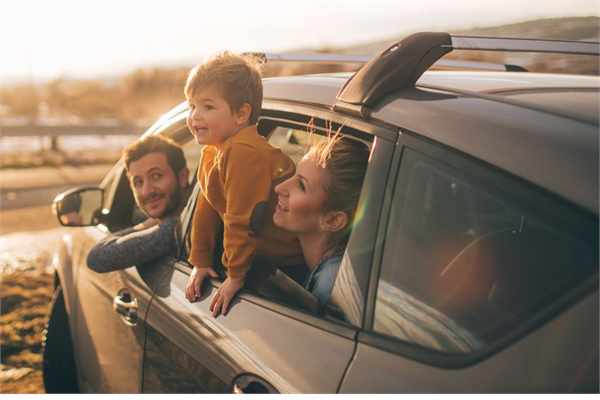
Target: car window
[(273, 282), (110, 183), (193, 153), (293, 142), (465, 263), (285, 285)]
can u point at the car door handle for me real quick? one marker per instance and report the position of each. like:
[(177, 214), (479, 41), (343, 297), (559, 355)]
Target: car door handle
[(128, 308)]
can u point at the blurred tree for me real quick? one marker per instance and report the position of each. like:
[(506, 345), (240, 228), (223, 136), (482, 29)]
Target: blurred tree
[(150, 93), (22, 100)]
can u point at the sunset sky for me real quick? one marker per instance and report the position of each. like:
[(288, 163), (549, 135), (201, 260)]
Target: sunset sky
[(44, 40)]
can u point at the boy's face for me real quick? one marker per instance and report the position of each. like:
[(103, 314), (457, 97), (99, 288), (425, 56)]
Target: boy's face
[(211, 120)]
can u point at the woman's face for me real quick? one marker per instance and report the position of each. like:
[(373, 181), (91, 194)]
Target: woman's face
[(301, 199)]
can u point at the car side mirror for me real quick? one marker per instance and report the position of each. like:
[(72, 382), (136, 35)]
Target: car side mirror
[(80, 207)]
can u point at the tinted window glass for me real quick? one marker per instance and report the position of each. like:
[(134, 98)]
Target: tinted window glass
[(293, 142), (193, 153), (465, 263)]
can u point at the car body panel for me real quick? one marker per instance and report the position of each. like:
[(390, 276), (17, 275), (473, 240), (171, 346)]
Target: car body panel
[(546, 360), (542, 151), (111, 349), (249, 340), (323, 89)]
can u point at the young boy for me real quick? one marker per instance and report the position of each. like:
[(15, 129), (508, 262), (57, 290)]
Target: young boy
[(238, 173)]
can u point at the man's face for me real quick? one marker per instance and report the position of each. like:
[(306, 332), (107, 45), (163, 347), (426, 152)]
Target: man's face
[(157, 190)]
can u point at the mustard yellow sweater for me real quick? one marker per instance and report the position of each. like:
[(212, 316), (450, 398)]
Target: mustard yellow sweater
[(237, 183)]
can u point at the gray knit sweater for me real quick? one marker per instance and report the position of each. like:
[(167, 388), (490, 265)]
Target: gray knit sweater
[(131, 247)]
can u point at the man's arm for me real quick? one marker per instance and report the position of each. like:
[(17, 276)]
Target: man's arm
[(131, 247)]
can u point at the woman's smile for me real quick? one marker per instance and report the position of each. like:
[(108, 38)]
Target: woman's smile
[(281, 207)]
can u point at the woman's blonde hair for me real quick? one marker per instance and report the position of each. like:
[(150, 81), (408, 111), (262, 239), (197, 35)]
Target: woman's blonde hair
[(345, 164)]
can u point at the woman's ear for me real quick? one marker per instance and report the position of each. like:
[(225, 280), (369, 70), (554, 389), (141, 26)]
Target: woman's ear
[(243, 114), (334, 221)]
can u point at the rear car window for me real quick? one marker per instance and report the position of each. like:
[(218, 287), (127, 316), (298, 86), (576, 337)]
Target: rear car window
[(466, 263)]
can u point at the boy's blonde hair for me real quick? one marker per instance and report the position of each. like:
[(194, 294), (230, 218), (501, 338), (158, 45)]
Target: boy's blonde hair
[(237, 78)]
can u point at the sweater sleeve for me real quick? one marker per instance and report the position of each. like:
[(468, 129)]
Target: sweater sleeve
[(247, 189), (205, 226), (131, 247)]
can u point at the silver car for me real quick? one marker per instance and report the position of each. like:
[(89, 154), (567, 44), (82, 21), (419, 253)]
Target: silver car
[(473, 266)]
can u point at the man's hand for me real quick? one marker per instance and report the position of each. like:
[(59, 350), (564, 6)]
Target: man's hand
[(149, 223), (224, 294), (192, 292)]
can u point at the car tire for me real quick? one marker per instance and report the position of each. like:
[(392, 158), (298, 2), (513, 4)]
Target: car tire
[(60, 375)]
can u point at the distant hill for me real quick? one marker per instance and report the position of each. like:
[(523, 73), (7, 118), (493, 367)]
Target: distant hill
[(574, 28)]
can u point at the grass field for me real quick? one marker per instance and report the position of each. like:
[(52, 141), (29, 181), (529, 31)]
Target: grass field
[(25, 306)]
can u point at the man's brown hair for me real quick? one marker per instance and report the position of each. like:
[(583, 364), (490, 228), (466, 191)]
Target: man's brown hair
[(237, 78), (155, 144)]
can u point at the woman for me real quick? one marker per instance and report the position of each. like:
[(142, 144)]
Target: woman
[(319, 204)]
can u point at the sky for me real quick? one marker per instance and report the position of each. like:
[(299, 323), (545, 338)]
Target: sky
[(42, 40)]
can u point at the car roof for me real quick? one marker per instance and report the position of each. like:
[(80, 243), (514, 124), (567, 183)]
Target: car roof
[(540, 127)]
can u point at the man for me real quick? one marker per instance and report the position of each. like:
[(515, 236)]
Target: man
[(158, 176)]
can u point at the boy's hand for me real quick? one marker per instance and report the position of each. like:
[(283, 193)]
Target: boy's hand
[(223, 296), (192, 292)]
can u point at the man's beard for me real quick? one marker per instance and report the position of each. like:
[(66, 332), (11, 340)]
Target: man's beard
[(175, 200), (174, 203)]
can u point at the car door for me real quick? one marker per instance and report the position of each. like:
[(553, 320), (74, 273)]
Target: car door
[(481, 283), (271, 341), (109, 346), (109, 319)]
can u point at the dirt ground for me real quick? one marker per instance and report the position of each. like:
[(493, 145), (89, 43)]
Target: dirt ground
[(25, 304)]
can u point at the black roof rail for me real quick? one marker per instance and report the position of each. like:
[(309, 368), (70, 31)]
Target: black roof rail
[(402, 64)]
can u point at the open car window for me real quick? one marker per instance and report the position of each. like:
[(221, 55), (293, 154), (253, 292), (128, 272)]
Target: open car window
[(269, 281)]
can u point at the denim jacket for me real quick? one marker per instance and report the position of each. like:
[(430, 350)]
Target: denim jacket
[(320, 281)]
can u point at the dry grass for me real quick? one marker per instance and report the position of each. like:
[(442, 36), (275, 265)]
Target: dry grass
[(25, 304), (30, 384), (24, 307)]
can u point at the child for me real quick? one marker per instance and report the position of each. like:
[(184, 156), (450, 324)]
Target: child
[(238, 172)]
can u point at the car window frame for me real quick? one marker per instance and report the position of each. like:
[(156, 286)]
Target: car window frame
[(528, 194), (282, 114)]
